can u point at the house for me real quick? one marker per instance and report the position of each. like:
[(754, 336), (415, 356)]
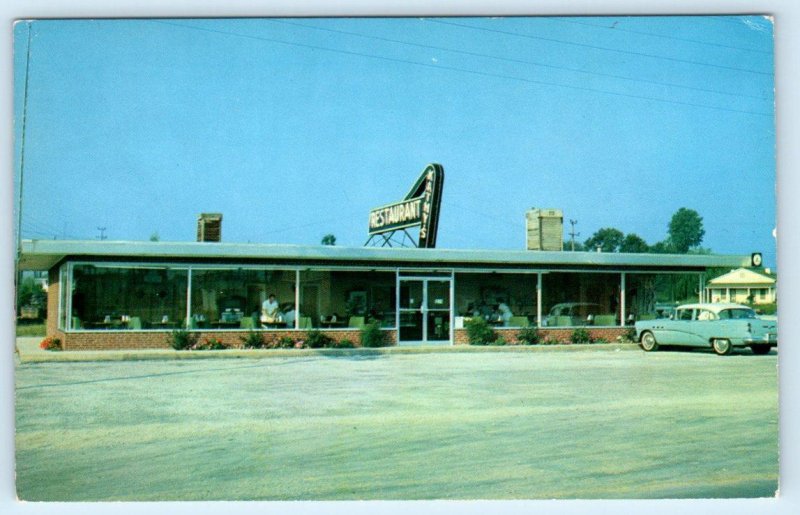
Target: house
[(742, 285)]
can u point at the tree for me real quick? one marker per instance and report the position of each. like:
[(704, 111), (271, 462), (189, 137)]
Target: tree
[(155, 236), (635, 244), (568, 246), (608, 239), (685, 230), (329, 239)]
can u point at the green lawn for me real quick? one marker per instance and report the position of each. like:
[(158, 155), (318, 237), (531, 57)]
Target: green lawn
[(593, 424), (31, 329)]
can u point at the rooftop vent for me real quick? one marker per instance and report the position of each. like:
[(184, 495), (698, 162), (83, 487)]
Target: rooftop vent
[(209, 227)]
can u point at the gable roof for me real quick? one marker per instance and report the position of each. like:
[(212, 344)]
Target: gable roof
[(742, 277)]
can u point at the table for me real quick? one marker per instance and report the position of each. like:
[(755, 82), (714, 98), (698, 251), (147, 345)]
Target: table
[(226, 324), (164, 325), (334, 325)]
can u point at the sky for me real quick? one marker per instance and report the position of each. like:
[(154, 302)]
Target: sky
[(296, 128)]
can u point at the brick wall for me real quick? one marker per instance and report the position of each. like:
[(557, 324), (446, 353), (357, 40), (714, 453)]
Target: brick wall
[(112, 340), (609, 334), (53, 289)]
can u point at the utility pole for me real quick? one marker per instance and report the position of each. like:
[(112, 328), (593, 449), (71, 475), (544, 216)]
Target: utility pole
[(573, 233), (18, 271), (102, 233)]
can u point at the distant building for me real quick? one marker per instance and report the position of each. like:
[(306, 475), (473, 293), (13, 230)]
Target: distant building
[(741, 285), (544, 229), (209, 227)]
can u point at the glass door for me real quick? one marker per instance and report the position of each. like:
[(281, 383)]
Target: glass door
[(424, 310)]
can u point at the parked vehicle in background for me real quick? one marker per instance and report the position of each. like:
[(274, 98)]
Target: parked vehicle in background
[(571, 314), (723, 327)]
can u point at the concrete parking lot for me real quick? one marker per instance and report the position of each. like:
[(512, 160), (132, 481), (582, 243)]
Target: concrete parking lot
[(524, 425)]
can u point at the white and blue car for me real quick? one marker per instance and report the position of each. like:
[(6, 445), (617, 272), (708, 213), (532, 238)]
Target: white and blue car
[(722, 327)]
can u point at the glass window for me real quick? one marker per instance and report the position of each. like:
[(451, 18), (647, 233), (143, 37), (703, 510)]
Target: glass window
[(576, 299), (115, 297), (340, 299), (650, 296), (237, 298), (502, 299), (63, 293)]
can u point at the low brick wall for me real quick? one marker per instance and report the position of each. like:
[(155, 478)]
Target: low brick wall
[(116, 340), (609, 334)]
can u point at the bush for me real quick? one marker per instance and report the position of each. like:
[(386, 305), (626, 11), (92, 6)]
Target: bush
[(182, 340), (372, 336), (500, 341), (50, 343), (284, 342), (253, 340), (317, 339), (344, 344), (211, 344), (529, 336), (479, 332), (629, 335), (580, 335), (551, 341)]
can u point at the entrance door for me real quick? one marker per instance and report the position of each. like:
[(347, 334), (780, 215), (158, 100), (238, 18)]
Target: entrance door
[(424, 310)]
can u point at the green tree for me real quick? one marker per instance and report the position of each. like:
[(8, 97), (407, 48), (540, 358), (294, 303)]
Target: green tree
[(685, 230), (608, 239), (155, 236), (578, 246), (634, 243), (329, 239)]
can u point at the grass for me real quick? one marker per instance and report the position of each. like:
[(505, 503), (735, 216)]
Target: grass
[(593, 424), (31, 329)]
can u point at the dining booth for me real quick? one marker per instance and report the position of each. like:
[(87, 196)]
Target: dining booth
[(116, 295)]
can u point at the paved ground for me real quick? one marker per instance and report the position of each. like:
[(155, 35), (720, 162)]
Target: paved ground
[(491, 425)]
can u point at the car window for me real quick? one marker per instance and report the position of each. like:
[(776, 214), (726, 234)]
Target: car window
[(684, 314), (737, 313), (705, 314)]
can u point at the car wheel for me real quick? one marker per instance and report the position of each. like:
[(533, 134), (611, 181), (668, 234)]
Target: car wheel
[(721, 346), (760, 349), (648, 342)]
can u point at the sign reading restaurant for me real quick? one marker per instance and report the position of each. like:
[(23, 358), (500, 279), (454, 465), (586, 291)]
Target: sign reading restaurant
[(420, 208)]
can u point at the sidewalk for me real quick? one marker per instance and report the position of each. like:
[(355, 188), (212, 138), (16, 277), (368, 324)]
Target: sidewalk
[(29, 351)]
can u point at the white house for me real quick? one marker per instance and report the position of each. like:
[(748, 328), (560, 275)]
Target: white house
[(739, 285)]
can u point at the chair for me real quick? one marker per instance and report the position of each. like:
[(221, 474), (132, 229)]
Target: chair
[(518, 322), (247, 323), (76, 323), (356, 322), (304, 323), (135, 323), (563, 321), (647, 316)]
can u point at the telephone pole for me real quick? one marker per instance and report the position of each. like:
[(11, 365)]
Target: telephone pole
[(573, 233), (102, 233)]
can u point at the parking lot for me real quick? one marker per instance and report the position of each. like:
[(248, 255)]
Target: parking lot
[(524, 425)]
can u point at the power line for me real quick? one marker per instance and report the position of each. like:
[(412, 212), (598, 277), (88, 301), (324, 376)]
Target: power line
[(462, 70), (584, 45), (519, 61), (616, 28)]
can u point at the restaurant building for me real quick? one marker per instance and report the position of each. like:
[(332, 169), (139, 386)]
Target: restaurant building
[(133, 294)]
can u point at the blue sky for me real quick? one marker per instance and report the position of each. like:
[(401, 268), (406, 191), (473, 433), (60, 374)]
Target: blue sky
[(294, 128)]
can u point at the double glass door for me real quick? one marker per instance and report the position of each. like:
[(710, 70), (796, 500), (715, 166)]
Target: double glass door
[(424, 310)]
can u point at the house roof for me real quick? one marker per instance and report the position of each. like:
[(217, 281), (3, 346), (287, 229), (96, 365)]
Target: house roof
[(44, 254), (742, 277)]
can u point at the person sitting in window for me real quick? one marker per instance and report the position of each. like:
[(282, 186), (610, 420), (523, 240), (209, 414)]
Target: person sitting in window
[(289, 315), (270, 310), (505, 312)]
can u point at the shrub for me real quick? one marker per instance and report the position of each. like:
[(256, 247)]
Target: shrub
[(629, 335), (211, 344), (529, 336), (182, 340), (500, 341), (253, 340), (479, 332), (317, 339), (551, 341), (344, 344), (372, 336), (50, 343), (580, 335), (284, 342)]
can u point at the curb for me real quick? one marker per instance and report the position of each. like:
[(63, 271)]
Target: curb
[(29, 352)]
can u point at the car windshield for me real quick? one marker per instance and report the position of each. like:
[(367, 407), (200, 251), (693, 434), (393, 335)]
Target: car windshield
[(737, 313)]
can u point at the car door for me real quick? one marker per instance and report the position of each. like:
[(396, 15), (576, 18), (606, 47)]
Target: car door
[(702, 328), (675, 330)]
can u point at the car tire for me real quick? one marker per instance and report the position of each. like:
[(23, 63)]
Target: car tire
[(760, 349), (648, 342), (721, 346)]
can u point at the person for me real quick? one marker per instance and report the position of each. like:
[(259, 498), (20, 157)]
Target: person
[(289, 316), (505, 312), (269, 310)]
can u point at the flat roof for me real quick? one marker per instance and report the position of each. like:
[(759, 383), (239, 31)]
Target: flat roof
[(44, 254)]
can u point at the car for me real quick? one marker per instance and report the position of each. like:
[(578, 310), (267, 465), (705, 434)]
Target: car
[(722, 327), (571, 314)]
